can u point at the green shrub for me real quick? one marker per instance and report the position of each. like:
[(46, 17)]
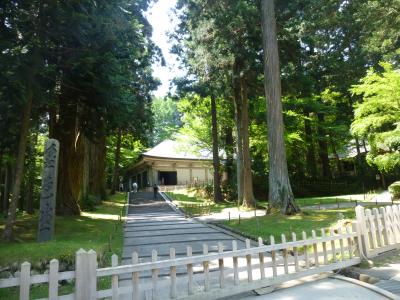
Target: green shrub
[(89, 203), (394, 189)]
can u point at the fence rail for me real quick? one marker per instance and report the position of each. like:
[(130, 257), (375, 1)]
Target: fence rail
[(249, 268), (222, 273), (379, 228)]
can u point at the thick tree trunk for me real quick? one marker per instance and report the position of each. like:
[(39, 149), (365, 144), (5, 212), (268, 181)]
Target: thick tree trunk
[(31, 170), (117, 155), (7, 183), (280, 192), (86, 169), (248, 196), (70, 158), (383, 180), (97, 169), (323, 147), (337, 159), (52, 122), (215, 148), (1, 178), (11, 216), (239, 143), (229, 154), (310, 156)]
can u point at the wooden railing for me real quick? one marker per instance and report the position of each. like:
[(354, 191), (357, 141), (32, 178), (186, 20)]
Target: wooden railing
[(206, 276), (379, 228), (212, 275)]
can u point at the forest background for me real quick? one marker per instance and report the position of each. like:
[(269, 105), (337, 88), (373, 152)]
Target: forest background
[(80, 72)]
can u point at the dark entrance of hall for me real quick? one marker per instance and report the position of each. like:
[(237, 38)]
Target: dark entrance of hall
[(167, 178)]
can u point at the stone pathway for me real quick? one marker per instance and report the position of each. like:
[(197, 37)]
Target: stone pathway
[(387, 270), (154, 224)]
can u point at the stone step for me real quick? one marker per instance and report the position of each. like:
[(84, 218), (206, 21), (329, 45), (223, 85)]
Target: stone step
[(166, 232), (161, 225), (177, 238), (180, 247)]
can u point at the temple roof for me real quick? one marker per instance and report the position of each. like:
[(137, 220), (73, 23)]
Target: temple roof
[(177, 150)]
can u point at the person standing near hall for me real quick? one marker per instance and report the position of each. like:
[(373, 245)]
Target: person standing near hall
[(155, 190), (134, 187)]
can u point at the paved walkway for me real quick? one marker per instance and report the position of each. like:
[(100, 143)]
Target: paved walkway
[(154, 224), (387, 270), (314, 288)]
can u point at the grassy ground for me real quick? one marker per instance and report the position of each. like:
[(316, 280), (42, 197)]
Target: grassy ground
[(265, 226), (183, 198), (333, 199), (186, 197), (99, 230)]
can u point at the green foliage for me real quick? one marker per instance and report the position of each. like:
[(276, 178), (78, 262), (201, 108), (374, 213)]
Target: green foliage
[(131, 148), (394, 189), (166, 119), (196, 123), (377, 116)]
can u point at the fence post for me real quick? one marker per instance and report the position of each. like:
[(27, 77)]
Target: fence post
[(114, 279), (25, 281), (80, 275), (85, 275), (53, 280), (362, 235)]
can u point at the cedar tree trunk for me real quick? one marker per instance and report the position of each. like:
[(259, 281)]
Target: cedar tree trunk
[(280, 192), (323, 147), (97, 169), (310, 156), (117, 156), (239, 143), (248, 196), (19, 172), (229, 154), (70, 161), (216, 164)]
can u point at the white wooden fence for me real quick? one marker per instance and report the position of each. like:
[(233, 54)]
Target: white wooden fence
[(212, 275), (379, 229), (206, 276)]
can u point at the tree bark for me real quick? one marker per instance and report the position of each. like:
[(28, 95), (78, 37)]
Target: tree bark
[(97, 169), (70, 157), (1, 178), (239, 142), (337, 158), (52, 121), (365, 146), (31, 170), (248, 196), (16, 190), (117, 156), (310, 156), (280, 192), (86, 169), (215, 148), (323, 147), (7, 182), (229, 154)]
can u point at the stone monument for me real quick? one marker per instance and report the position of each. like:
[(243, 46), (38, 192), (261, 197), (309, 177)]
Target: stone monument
[(48, 191)]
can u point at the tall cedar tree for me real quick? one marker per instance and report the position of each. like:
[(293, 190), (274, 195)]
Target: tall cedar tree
[(280, 192)]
